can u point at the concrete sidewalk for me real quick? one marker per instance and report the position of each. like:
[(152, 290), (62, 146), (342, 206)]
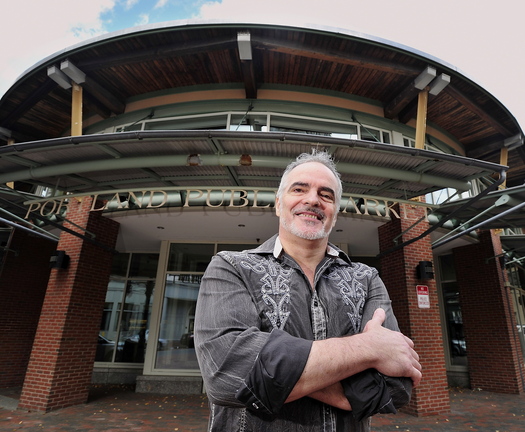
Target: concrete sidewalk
[(120, 408)]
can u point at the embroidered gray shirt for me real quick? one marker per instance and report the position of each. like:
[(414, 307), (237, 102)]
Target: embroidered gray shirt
[(255, 322)]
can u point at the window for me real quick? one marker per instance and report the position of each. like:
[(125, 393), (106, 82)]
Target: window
[(125, 322), (442, 195), (455, 337), (265, 121), (186, 264)]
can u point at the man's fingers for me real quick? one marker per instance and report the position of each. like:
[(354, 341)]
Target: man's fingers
[(416, 369), (409, 341), (416, 377)]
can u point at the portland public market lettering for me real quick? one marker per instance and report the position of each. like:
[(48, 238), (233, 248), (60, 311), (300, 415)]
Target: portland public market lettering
[(211, 198)]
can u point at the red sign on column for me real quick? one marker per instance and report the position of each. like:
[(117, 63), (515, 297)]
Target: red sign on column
[(423, 297)]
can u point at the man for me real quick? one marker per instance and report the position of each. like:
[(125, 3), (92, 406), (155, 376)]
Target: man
[(293, 336)]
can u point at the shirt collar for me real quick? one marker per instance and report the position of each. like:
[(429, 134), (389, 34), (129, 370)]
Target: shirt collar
[(278, 249)]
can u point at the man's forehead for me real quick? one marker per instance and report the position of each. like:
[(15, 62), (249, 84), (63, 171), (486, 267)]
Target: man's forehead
[(302, 174)]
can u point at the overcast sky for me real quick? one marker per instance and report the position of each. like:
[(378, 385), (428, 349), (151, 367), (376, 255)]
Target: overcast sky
[(481, 38)]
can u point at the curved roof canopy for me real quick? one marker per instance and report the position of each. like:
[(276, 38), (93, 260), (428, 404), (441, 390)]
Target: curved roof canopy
[(180, 55)]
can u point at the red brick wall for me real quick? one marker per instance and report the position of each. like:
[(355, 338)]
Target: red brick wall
[(61, 365), (494, 353), (23, 283), (423, 326)]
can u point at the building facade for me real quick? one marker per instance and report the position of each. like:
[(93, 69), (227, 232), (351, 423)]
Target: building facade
[(128, 161)]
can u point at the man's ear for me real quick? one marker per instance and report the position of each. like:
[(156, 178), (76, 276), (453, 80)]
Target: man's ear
[(277, 209)]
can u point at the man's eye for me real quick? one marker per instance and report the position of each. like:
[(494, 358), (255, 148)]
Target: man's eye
[(327, 197)]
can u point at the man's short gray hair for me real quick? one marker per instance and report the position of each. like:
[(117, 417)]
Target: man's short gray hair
[(318, 156)]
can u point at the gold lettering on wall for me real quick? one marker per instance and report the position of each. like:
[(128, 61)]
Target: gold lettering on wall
[(212, 198)]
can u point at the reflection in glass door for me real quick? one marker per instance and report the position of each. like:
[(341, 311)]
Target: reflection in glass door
[(185, 264), (177, 320), (124, 329)]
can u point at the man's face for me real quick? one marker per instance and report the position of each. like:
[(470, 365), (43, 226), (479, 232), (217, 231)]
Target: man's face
[(307, 208)]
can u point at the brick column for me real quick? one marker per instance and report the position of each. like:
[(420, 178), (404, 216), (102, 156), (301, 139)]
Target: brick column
[(61, 364), (493, 347), (398, 271), (23, 282)]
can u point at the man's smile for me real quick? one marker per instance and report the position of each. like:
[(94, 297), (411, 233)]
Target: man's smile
[(310, 214)]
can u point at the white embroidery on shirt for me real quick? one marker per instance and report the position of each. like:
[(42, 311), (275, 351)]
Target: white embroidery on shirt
[(275, 289), (352, 283)]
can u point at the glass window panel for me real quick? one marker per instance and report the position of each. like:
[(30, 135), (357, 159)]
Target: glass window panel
[(131, 127), (175, 349), (109, 324), (190, 257), (408, 142), (250, 122), (144, 265), (456, 337), (235, 247), (119, 266), (447, 268), (134, 323), (198, 122), (369, 134), (312, 126), (386, 137)]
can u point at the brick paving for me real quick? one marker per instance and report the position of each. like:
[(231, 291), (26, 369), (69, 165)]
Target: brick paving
[(119, 408)]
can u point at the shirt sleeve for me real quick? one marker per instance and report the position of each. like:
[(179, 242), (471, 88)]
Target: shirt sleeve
[(241, 365), (371, 392), (275, 373)]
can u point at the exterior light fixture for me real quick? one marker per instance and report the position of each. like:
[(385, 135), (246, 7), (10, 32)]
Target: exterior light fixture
[(245, 160), (245, 45), (439, 84), (73, 72), (5, 133), (424, 270), (510, 143), (59, 77), (425, 77), (194, 160), (59, 260)]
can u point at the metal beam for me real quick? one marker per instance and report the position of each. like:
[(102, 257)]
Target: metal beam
[(19, 219), (479, 225), (441, 222), (61, 227), (223, 160), (23, 228)]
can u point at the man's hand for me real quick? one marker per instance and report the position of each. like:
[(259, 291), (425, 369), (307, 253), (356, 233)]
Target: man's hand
[(393, 352), (333, 359), (332, 395)]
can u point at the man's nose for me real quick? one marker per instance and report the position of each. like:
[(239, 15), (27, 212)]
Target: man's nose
[(311, 198)]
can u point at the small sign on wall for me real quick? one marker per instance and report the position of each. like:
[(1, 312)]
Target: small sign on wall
[(423, 297)]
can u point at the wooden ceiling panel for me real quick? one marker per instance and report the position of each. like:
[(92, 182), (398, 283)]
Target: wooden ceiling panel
[(167, 58)]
